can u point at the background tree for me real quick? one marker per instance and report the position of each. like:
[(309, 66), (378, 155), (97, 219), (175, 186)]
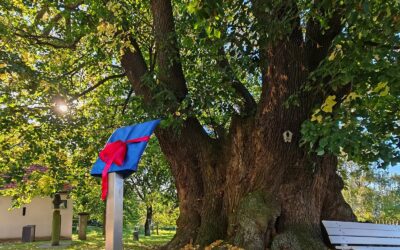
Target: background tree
[(133, 214), (372, 193), (228, 79), (153, 184), (166, 214)]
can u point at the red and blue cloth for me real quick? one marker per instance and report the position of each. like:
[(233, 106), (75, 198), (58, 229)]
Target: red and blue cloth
[(122, 152)]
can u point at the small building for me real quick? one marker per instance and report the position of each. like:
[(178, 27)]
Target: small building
[(38, 212)]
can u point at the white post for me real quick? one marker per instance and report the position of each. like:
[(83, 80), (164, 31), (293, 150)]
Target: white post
[(114, 211)]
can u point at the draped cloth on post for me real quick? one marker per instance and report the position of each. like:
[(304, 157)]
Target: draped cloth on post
[(122, 152)]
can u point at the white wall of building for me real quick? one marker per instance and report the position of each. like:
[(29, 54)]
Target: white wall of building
[(39, 212)]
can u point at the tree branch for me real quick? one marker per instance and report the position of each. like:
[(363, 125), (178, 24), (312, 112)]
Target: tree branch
[(318, 40), (135, 186), (58, 16), (51, 41), (72, 71), (169, 69), (72, 6), (97, 85), (59, 46), (281, 14), (249, 102), (52, 23), (141, 196), (168, 58), (136, 68), (127, 101)]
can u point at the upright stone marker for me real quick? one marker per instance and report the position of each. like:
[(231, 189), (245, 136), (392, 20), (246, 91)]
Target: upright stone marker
[(119, 159), (83, 221), (56, 223)]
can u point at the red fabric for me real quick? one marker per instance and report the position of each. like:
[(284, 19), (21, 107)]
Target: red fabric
[(114, 152)]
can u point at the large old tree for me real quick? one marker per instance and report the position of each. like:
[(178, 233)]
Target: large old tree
[(229, 78)]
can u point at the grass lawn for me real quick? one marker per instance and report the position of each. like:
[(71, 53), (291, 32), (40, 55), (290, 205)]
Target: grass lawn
[(95, 240)]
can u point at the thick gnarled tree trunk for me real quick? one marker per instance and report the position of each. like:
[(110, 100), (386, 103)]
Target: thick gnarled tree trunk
[(249, 187), (253, 191)]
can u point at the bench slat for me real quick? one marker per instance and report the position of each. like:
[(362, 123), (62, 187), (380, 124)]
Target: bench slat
[(366, 248), (362, 232), (357, 225), (351, 240)]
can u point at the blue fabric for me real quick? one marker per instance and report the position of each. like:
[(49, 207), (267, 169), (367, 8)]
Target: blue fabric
[(134, 150)]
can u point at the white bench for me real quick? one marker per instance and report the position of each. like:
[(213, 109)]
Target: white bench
[(360, 236)]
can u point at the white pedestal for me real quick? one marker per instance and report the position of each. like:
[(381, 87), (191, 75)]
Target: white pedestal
[(114, 212)]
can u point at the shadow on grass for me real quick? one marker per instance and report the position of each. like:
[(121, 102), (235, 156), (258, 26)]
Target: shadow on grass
[(95, 240)]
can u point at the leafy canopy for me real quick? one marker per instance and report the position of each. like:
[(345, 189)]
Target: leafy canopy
[(55, 53)]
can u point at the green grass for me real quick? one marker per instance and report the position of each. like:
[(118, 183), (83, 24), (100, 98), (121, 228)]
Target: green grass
[(95, 240)]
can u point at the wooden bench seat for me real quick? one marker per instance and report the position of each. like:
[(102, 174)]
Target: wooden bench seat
[(363, 236)]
